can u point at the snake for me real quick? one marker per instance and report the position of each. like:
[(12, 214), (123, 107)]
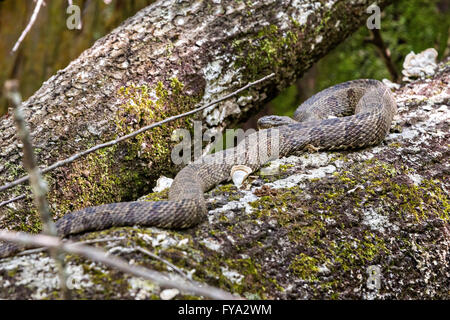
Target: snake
[(350, 115)]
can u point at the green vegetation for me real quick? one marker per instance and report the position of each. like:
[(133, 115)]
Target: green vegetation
[(97, 179), (268, 50)]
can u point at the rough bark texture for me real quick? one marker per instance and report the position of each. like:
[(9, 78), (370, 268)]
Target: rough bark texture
[(168, 57), (312, 230), (50, 45)]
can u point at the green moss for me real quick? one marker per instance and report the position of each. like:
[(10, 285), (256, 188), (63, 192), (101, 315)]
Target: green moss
[(12, 272), (346, 247), (423, 201), (146, 105), (253, 279), (338, 255), (395, 145), (14, 170), (390, 183), (121, 172), (209, 266), (381, 180), (269, 49), (98, 181), (111, 282), (277, 206), (157, 196), (230, 191), (358, 252), (26, 219), (305, 267), (285, 167), (253, 284), (227, 188), (338, 156)]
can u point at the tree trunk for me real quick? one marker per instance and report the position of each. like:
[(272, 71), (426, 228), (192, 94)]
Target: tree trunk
[(169, 57), (360, 224)]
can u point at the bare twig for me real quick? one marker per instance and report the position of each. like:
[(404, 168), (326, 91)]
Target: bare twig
[(383, 50), (38, 250), (38, 184), (131, 135), (154, 256), (4, 203), (37, 8), (98, 255), (102, 240)]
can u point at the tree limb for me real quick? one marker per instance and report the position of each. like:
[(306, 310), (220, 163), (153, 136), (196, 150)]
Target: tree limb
[(27, 29), (210, 49)]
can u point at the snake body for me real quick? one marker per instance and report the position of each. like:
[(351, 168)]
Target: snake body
[(353, 114)]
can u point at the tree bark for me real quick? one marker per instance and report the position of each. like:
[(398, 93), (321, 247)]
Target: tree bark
[(313, 230), (184, 53)]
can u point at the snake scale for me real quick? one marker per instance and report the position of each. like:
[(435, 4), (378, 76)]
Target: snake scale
[(353, 114)]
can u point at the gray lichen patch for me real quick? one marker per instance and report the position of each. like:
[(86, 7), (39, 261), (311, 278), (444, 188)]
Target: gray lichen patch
[(35, 274)]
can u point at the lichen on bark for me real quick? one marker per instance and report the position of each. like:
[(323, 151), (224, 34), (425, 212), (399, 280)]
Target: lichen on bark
[(97, 179), (189, 41)]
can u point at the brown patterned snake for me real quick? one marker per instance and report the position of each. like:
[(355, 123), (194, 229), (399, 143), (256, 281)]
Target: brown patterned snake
[(353, 114)]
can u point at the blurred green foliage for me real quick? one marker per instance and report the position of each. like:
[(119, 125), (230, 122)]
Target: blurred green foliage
[(407, 25)]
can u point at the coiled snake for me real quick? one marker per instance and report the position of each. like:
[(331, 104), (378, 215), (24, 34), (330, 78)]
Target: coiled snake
[(353, 114)]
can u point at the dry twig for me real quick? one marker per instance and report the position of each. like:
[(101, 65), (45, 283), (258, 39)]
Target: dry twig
[(36, 10), (38, 250), (38, 184), (4, 203), (170, 265), (383, 50)]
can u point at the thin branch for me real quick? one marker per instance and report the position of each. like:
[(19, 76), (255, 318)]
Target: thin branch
[(38, 184), (98, 255), (154, 256), (4, 203), (101, 240), (38, 250), (131, 135), (378, 42), (37, 8)]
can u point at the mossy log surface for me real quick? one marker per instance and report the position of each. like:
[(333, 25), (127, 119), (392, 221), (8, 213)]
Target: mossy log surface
[(310, 230), (166, 59)]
